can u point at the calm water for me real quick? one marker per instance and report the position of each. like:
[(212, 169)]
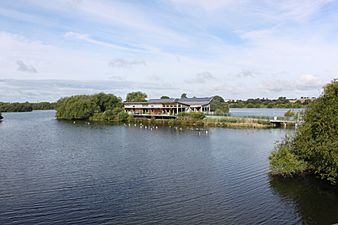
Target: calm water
[(54, 172), (271, 112)]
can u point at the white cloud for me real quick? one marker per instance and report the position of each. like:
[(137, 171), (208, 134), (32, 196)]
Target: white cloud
[(201, 78), (25, 67), (123, 63)]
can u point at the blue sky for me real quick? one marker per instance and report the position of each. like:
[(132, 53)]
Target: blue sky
[(236, 49)]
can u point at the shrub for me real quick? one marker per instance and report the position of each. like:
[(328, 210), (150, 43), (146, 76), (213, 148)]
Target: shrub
[(284, 162), (289, 113), (316, 141), (123, 117), (191, 115)]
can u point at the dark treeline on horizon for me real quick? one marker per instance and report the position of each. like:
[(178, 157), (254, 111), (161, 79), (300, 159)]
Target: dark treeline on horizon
[(281, 102), (25, 106)]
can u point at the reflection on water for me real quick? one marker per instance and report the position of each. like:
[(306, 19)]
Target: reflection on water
[(315, 202)]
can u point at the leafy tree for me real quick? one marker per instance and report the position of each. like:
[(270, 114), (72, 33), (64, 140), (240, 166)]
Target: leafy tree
[(165, 97), (218, 105), (184, 95), (82, 107), (316, 141), (137, 96), (76, 107), (107, 101)]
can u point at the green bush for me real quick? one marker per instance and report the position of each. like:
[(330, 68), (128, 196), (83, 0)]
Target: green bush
[(123, 117), (316, 141), (289, 113), (191, 115), (284, 162)]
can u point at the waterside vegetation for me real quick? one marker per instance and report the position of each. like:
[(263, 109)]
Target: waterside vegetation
[(99, 107), (193, 120), (314, 147)]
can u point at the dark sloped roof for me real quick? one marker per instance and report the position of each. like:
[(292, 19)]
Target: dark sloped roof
[(165, 100), (185, 101), (195, 101)]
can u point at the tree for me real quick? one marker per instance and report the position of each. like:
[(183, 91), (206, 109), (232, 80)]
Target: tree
[(165, 97), (316, 141), (184, 95), (218, 105), (137, 96), (83, 107)]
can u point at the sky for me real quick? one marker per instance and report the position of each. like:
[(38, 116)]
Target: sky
[(235, 49)]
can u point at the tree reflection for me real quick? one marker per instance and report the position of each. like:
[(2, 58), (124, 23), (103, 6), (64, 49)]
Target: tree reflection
[(315, 202)]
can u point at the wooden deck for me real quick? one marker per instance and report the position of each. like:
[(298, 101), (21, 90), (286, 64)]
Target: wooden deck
[(283, 123)]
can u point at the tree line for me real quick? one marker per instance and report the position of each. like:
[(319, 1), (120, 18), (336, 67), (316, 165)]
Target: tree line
[(25, 106), (281, 102)]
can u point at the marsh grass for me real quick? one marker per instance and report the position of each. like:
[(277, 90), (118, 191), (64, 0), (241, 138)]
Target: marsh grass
[(231, 122)]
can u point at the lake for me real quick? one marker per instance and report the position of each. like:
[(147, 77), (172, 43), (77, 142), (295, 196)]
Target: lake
[(265, 112), (56, 172)]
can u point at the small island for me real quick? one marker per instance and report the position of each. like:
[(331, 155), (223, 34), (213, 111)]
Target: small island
[(165, 111)]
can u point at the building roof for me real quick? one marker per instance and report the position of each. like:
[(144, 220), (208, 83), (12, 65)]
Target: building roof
[(165, 100), (195, 101), (184, 101)]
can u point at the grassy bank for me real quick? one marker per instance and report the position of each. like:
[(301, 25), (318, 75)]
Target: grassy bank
[(231, 122)]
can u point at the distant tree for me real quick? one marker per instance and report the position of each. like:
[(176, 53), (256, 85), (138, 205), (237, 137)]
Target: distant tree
[(218, 105), (137, 96), (165, 97), (184, 95), (107, 101)]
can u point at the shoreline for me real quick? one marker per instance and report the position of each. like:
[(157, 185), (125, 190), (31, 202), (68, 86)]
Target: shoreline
[(228, 122)]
